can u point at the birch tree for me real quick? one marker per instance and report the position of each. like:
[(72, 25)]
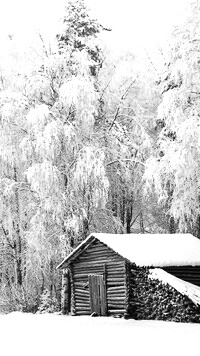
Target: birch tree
[(53, 176), (174, 170), (130, 101)]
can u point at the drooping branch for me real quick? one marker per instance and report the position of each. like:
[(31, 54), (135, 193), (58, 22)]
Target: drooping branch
[(123, 97), (125, 160)]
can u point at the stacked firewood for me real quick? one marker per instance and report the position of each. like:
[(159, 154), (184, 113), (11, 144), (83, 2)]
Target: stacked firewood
[(151, 299)]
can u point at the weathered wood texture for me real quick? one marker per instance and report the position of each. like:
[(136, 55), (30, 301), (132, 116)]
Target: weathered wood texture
[(65, 300), (97, 290), (187, 273), (98, 259)]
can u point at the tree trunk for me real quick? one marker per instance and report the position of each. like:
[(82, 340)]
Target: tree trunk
[(172, 228), (141, 223), (65, 298), (129, 213), (18, 239)]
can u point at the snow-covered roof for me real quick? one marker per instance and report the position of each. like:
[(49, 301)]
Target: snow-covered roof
[(183, 287), (156, 250)]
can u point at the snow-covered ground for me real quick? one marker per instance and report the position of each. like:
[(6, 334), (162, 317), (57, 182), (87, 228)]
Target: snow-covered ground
[(48, 335)]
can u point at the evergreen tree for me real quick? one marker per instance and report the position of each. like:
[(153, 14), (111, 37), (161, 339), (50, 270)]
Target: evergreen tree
[(80, 33)]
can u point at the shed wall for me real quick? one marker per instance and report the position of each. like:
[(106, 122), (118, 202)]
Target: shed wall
[(99, 259), (187, 273)]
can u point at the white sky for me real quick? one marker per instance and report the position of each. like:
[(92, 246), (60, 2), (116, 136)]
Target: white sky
[(134, 22)]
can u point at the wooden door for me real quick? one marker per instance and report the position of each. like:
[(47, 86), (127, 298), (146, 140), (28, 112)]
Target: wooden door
[(97, 290)]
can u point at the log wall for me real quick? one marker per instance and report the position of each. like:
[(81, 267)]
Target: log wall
[(187, 273), (99, 259)]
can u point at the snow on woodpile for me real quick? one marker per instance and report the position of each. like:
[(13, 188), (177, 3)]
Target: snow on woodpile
[(157, 250), (185, 288)]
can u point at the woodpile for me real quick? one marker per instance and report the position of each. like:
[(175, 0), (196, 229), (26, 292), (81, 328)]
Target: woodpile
[(151, 299)]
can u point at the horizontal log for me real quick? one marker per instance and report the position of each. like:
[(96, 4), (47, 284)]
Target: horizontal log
[(83, 303), (100, 259), (115, 270), (86, 272), (88, 268), (117, 311), (83, 279), (97, 254), (104, 260), (112, 274), (109, 263), (115, 265), (81, 294), (97, 257), (115, 283), (114, 296), (116, 305), (115, 275), (80, 304), (81, 291), (118, 273), (182, 268), (115, 288), (117, 298), (119, 294), (83, 312), (99, 250), (115, 292), (80, 285), (114, 279), (81, 275), (82, 297), (185, 275), (96, 250)]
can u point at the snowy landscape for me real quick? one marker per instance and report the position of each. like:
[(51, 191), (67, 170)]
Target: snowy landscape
[(99, 177), (48, 335)]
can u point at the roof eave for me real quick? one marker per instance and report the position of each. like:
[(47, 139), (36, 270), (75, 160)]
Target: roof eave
[(76, 252)]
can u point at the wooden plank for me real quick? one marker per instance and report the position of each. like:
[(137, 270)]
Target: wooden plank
[(115, 279), (83, 312), (81, 291), (115, 288), (118, 291), (109, 263), (103, 302), (95, 267), (82, 295), (90, 291), (97, 294), (117, 311)]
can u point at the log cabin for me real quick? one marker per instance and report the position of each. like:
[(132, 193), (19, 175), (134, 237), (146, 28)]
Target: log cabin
[(97, 274)]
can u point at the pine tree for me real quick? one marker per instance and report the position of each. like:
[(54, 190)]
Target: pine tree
[(48, 303), (80, 32)]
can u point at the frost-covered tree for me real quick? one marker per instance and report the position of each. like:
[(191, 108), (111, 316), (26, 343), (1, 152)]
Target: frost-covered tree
[(80, 32), (52, 169), (130, 100), (76, 131), (174, 170)]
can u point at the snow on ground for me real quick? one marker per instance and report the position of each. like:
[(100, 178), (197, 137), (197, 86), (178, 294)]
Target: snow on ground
[(48, 335)]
